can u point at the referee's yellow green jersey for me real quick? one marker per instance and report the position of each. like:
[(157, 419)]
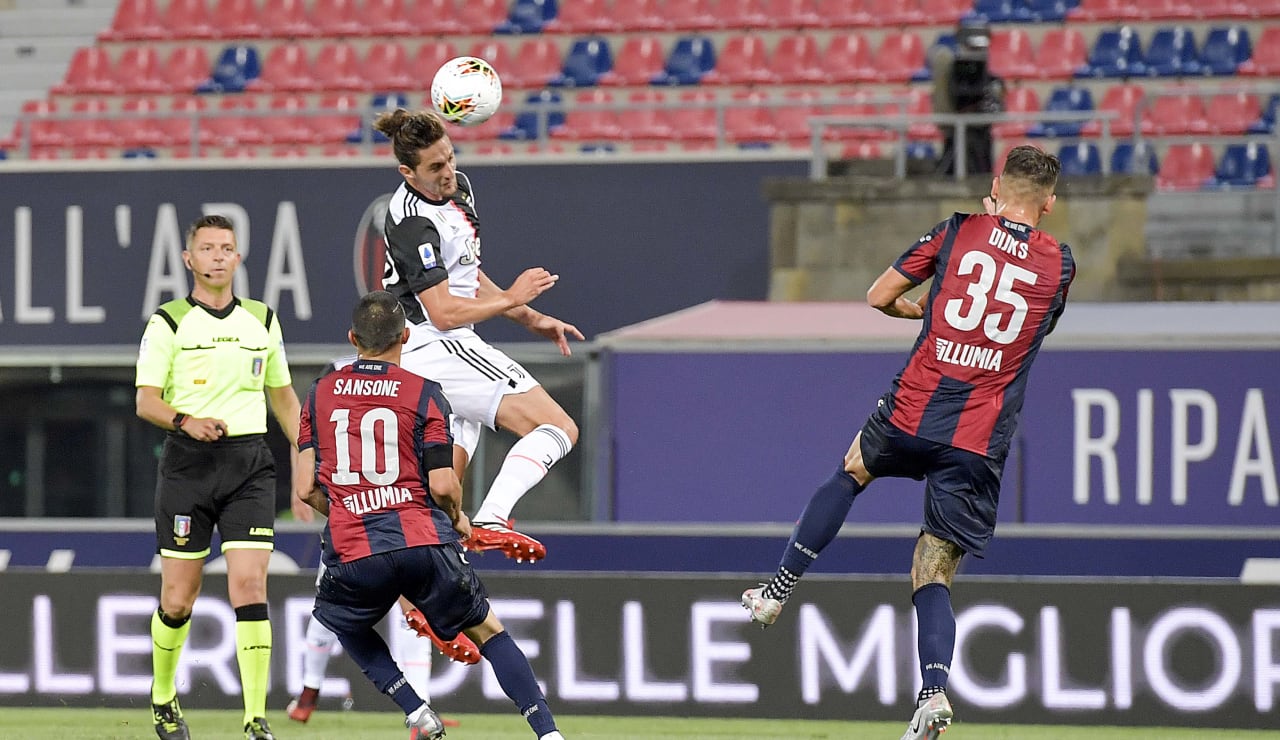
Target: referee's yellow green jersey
[(215, 363)]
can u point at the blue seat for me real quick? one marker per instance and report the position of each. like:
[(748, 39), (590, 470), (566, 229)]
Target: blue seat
[(237, 65), (587, 59), (1064, 99), (144, 153), (377, 104), (1117, 52), (544, 104), (689, 60), (527, 16), (1243, 165), (1224, 49), (1266, 123), (921, 150), (1130, 158), (996, 11), (1080, 159), (1172, 53), (1046, 11)]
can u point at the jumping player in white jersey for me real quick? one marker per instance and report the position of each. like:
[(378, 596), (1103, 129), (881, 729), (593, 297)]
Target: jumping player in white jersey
[(433, 268)]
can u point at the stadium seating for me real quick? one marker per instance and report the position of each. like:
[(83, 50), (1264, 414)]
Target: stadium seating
[(232, 125), (694, 121), (479, 16), (138, 127), (1265, 61), (135, 20), (1124, 100), (527, 16), (542, 111), (1225, 48), (792, 117), (797, 60), (792, 14), (640, 59), (91, 128), (848, 58), (640, 15), (1064, 99), (443, 17), (1245, 165), (742, 14), (184, 69), (341, 116), (1176, 114), (742, 60), (287, 68), (189, 20), (647, 120), (137, 70), (899, 57), (1018, 99), (389, 18), (892, 13), (1134, 158), (386, 67), (429, 56), (1080, 159), (587, 59), (1186, 167), (1117, 52), (691, 15), (288, 19), (90, 72), (944, 12), (186, 122), (690, 59), (339, 66), (748, 119), (1231, 114), (592, 122), (379, 103), (1172, 53), (238, 19), (537, 61), (585, 17), (1266, 122), (236, 67), (1091, 11), (1061, 53), (1011, 55)]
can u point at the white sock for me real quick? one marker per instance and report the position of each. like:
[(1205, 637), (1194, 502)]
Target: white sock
[(416, 714), (526, 464), (552, 736), (320, 642), (413, 654)]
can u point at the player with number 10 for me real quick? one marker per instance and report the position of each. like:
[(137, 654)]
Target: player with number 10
[(999, 286)]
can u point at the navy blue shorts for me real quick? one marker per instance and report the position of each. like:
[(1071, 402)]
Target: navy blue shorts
[(962, 490), (436, 578)]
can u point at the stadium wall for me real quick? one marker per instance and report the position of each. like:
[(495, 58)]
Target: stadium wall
[(1113, 653)]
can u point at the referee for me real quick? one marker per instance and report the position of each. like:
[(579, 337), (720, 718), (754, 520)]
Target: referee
[(202, 368)]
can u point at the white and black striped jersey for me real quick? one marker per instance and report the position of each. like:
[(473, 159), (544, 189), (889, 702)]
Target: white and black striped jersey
[(429, 241)]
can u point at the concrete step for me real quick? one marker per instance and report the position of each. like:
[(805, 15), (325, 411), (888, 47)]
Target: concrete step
[(39, 49), (66, 4), (46, 21)]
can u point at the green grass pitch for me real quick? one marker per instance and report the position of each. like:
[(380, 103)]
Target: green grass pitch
[(129, 724)]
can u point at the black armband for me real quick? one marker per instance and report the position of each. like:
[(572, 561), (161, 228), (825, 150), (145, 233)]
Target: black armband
[(178, 418), (438, 456)]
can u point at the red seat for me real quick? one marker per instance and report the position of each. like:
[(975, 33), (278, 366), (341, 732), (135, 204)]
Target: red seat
[(862, 150), (1124, 100), (590, 124), (288, 123), (135, 20), (793, 14), (289, 151), (189, 19), (386, 68), (1232, 113), (1061, 52), (288, 19), (854, 105), (428, 58), (481, 16), (339, 115), (894, 12), (441, 16), (639, 59), (536, 61), (848, 59), (842, 13), (1018, 99), (237, 19), (944, 12), (1265, 61), (494, 50), (648, 119), (1177, 115), (900, 55), (138, 70), (46, 129), (742, 60), (792, 118), (336, 18), (91, 126), (185, 68), (919, 102), (139, 126), (90, 72), (796, 59), (338, 66), (487, 131), (187, 116), (1105, 10), (1186, 167), (387, 18), (640, 15), (692, 15), (741, 14), (693, 118), (1224, 9), (1011, 55), (585, 17), (749, 119), (229, 126), (1159, 10), (286, 69)]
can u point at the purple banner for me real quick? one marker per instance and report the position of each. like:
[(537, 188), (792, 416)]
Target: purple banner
[(1107, 437)]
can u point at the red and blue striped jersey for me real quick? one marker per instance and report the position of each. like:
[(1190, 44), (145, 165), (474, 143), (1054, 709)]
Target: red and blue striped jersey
[(377, 430), (998, 289)]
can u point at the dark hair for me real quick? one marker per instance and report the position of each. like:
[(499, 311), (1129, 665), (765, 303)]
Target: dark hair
[(1033, 166), (410, 132), (377, 322), (212, 221)]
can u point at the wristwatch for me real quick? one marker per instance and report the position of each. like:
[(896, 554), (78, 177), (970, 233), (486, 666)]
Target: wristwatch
[(178, 418)]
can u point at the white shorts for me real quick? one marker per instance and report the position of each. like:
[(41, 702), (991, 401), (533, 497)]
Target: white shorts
[(474, 377)]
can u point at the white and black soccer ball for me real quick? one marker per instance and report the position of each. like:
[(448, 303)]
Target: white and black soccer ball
[(466, 91)]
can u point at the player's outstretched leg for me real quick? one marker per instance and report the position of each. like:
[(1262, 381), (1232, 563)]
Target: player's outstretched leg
[(315, 661), (461, 648), (818, 526), (525, 466), (370, 652), (498, 535), (413, 654), (516, 678), (932, 718)]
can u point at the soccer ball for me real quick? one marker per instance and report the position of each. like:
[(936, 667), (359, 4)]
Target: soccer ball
[(466, 91)]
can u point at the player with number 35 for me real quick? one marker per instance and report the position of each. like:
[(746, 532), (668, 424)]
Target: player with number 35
[(999, 286)]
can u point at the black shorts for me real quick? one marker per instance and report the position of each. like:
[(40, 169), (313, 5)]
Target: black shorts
[(962, 490), (436, 578), (230, 484)]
